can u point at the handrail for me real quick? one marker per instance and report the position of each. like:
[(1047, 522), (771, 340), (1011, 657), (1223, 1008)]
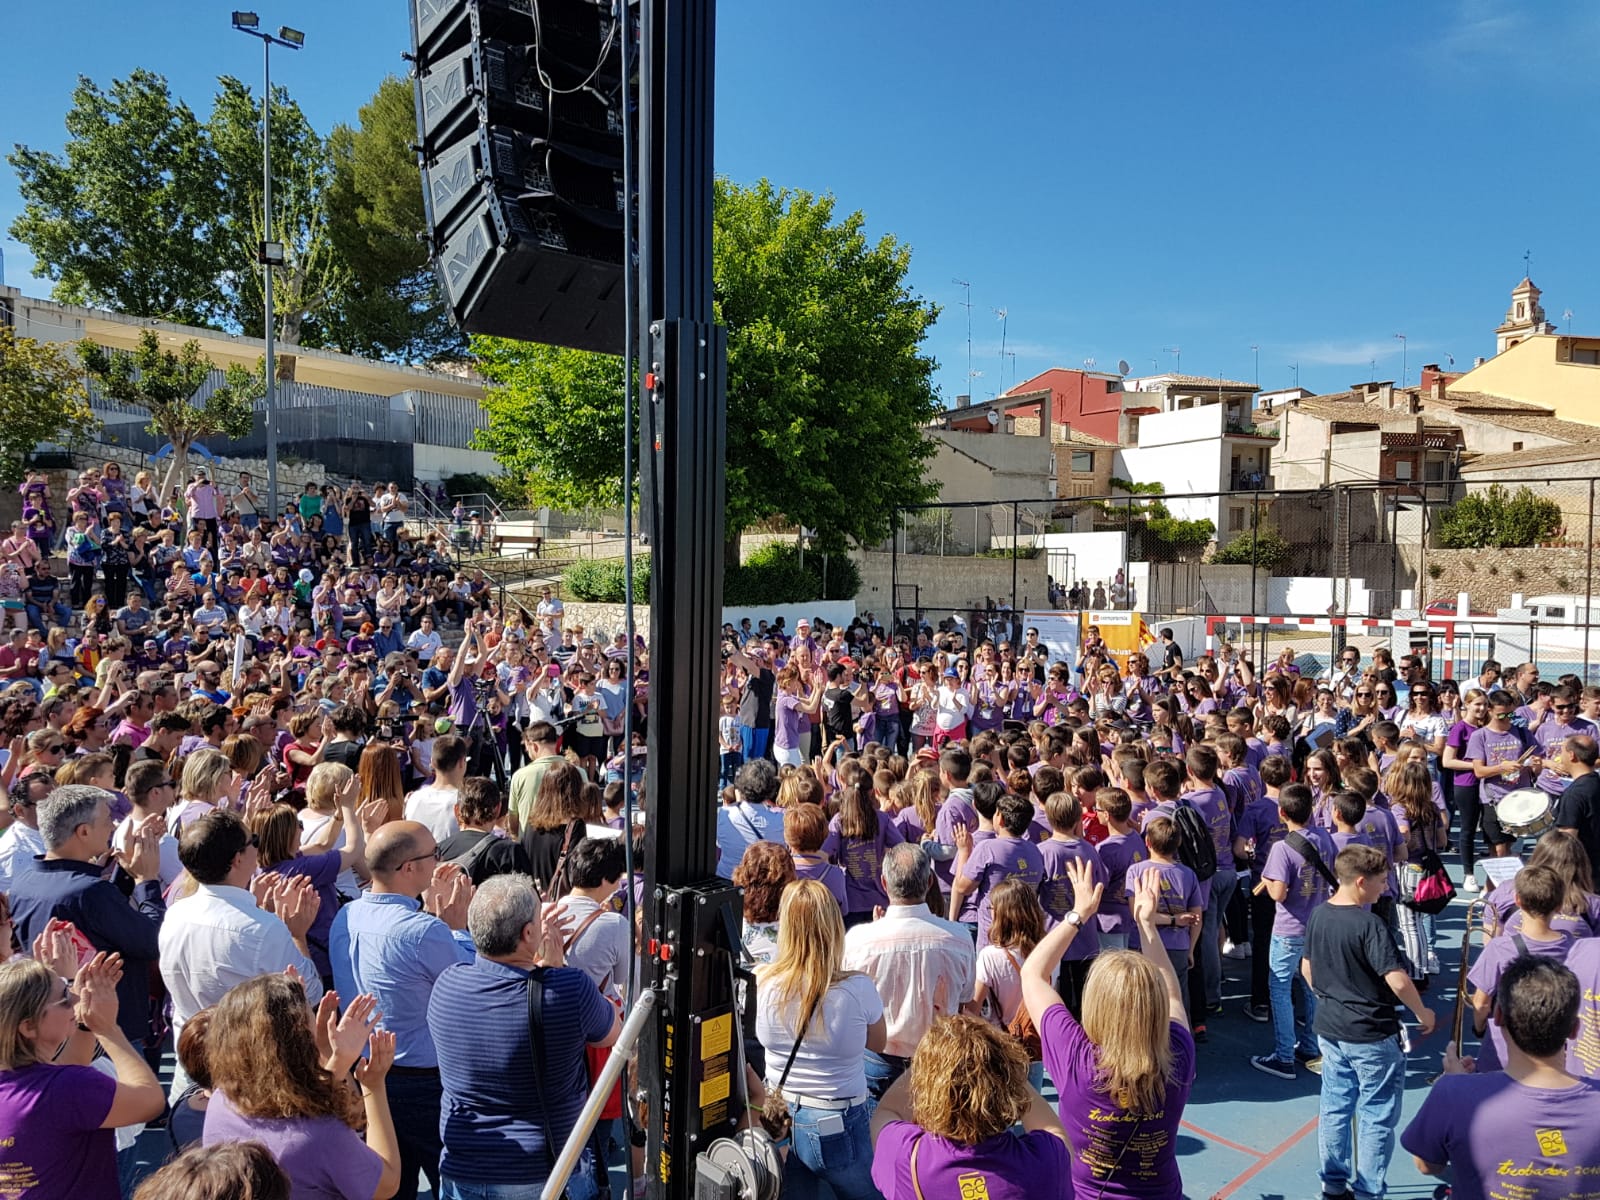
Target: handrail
[(599, 1093)]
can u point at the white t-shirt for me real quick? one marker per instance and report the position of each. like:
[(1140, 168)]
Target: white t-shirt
[(950, 710), (829, 1064), (435, 807), (601, 950), (170, 867), (312, 823), (997, 970)]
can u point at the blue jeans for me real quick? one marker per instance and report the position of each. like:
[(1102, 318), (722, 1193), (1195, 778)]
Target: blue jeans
[(61, 610), (842, 1160), (1222, 886), (1294, 1006), (1362, 1082), (882, 1071)]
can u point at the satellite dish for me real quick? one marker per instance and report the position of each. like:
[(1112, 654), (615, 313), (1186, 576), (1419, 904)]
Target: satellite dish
[(992, 417), (1122, 366)]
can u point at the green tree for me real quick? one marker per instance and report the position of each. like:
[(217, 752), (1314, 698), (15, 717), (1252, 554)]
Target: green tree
[(392, 307), (42, 399), (171, 388), (1499, 518), (824, 358), (1266, 548), (132, 216), (314, 276)]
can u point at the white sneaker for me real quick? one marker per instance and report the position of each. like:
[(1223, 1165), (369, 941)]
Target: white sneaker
[(1470, 885)]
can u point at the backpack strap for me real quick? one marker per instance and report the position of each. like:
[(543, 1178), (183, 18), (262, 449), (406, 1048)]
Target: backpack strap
[(1308, 851)]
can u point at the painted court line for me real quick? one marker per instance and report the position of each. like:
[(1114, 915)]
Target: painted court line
[(1222, 1141), (1264, 1161)]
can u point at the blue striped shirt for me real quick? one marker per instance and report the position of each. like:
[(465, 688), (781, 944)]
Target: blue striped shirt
[(490, 1121)]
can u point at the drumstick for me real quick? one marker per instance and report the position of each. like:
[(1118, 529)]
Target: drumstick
[(1259, 888)]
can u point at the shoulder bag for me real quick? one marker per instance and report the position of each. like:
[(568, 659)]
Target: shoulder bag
[(776, 1118)]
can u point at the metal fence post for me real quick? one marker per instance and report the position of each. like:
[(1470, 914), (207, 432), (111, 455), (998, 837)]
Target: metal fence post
[(1016, 549), (1588, 584), (894, 573)]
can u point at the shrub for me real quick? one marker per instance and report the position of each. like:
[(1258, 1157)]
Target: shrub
[(600, 580), (1434, 570), (773, 574), (1267, 548), (1500, 519)]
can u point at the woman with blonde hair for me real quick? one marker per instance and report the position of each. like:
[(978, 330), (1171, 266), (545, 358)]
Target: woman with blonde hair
[(300, 1103), (1125, 1073), (799, 786), (952, 1116), (207, 780), (58, 1115), (815, 1022)]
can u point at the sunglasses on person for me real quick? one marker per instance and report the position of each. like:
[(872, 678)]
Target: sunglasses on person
[(1563, 707), (69, 999), (1364, 695)]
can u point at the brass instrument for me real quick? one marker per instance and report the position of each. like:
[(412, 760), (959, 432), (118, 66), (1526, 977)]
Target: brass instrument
[(1476, 908)]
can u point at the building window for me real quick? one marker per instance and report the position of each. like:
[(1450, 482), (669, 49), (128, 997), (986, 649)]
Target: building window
[(1433, 470), (1402, 469), (1519, 310), (1589, 356), (1515, 446), (1082, 462), (1235, 520), (1556, 611)]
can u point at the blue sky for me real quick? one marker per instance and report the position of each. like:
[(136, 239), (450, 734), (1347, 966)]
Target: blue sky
[(1122, 179)]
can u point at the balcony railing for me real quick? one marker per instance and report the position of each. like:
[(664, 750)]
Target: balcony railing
[(1249, 481), (1245, 429)]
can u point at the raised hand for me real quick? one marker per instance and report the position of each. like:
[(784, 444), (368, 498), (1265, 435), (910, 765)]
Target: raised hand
[(96, 988), (372, 1070), (297, 905), (373, 815), (1145, 900), (438, 891), (552, 951), (141, 857), (264, 888), (1086, 892), (55, 949), (325, 1021), (349, 1036)]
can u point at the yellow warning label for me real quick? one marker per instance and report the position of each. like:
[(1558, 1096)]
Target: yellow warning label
[(716, 1036), (714, 1089)]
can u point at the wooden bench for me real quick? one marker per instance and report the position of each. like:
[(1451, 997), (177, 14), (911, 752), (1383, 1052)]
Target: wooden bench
[(504, 543)]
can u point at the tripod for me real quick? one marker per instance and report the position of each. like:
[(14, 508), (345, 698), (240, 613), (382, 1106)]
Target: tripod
[(483, 754)]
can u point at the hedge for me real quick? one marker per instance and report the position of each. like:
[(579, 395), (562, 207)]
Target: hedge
[(772, 575)]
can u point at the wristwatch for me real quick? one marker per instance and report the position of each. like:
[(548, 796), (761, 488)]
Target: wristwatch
[(1074, 919)]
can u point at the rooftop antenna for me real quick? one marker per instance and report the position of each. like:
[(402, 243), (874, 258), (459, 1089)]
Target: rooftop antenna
[(1012, 355), (1566, 315), (1256, 350), (1527, 264), (1295, 367), (1001, 315), (1404, 349), (1177, 358), (1373, 369), (967, 304)]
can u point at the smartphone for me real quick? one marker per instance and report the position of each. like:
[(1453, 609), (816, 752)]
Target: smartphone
[(830, 1125)]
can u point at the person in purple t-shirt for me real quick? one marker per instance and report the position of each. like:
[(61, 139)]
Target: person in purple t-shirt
[(805, 829), (983, 865), (1181, 909), (1121, 1118), (1527, 1130), (1064, 846), (1558, 723), (1504, 758), (1296, 877), (857, 839), (1540, 893), (963, 1143), (1118, 851)]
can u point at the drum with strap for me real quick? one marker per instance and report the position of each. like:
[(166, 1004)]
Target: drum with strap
[(1526, 812)]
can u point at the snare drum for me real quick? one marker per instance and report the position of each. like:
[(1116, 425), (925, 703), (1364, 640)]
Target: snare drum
[(1526, 812)]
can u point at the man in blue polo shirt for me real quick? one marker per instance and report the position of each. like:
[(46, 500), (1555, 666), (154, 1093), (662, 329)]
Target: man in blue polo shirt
[(505, 1116), (385, 944)]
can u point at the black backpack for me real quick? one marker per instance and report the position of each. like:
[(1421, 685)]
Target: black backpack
[(1196, 850)]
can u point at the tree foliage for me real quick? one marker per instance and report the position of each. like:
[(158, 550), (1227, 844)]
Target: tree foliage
[(172, 388), (42, 399), (1266, 548), (131, 216), (1499, 518), (154, 212), (392, 307), (828, 390)]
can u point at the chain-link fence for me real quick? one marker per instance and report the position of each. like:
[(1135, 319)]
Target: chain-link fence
[(1521, 549)]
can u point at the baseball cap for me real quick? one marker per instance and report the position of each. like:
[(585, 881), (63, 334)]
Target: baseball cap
[(951, 673)]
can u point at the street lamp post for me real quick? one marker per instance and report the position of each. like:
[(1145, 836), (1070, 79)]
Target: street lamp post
[(269, 253)]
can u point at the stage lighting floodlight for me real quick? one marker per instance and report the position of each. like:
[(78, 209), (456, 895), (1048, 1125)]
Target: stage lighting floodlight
[(246, 20), (291, 37)]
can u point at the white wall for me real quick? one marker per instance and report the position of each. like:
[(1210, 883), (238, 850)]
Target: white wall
[(435, 463), (1094, 556), (1303, 596), (834, 612)]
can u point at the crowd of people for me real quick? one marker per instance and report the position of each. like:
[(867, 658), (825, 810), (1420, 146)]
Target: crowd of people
[(281, 854)]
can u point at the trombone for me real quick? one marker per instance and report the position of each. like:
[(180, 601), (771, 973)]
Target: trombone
[(1457, 1025)]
